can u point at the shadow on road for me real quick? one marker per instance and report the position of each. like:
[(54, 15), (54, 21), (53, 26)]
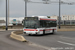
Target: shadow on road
[(42, 35)]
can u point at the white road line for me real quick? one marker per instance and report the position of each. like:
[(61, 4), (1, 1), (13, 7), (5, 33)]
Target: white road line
[(66, 43), (37, 45), (67, 37)]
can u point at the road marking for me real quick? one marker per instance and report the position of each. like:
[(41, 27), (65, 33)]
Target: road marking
[(41, 46), (67, 37), (66, 43)]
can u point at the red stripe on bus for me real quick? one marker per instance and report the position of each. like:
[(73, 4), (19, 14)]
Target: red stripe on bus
[(54, 29), (48, 19), (30, 30), (41, 30)]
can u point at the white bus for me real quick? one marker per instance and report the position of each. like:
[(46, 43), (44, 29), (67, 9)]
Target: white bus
[(36, 25)]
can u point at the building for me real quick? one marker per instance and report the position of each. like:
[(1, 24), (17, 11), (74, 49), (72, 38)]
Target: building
[(54, 17), (2, 23), (13, 20), (68, 17)]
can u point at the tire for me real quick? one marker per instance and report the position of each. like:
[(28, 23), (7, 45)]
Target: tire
[(43, 32), (53, 31), (29, 34), (24, 32)]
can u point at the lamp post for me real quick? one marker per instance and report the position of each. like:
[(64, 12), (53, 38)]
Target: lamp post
[(6, 16), (59, 12), (25, 8), (48, 2), (26, 5), (8, 12)]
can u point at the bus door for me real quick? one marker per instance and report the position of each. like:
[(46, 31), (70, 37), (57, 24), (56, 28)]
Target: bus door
[(47, 30)]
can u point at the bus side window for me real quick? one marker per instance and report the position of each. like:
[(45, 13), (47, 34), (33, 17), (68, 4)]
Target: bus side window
[(41, 24)]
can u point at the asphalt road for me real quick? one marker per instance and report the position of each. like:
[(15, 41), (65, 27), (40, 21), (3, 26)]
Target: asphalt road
[(6, 43), (59, 41)]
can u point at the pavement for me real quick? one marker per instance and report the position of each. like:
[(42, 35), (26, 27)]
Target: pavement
[(59, 41), (6, 43)]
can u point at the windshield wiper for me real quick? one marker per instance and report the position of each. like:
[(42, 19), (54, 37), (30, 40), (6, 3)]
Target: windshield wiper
[(26, 27)]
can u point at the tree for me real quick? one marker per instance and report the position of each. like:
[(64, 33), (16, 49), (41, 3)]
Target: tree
[(48, 16)]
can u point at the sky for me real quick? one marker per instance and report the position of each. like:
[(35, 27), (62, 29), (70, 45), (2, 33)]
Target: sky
[(17, 8)]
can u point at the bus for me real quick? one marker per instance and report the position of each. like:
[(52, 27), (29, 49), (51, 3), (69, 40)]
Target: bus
[(36, 25)]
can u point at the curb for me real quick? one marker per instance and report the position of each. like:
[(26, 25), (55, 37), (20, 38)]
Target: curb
[(15, 29), (17, 37)]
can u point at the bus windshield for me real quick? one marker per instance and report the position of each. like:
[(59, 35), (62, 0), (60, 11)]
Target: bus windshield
[(31, 24)]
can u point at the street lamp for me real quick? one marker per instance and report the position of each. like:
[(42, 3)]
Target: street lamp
[(59, 12), (71, 3), (61, 2), (48, 2), (6, 16), (25, 8), (8, 12)]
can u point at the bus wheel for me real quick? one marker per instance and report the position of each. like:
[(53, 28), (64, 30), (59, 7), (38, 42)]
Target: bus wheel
[(53, 31), (43, 32), (29, 34)]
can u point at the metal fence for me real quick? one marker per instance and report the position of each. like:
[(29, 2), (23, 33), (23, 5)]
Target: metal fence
[(67, 22)]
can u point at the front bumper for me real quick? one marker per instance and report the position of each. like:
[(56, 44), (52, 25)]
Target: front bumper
[(32, 33)]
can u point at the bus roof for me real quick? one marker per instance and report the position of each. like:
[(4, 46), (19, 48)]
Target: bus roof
[(37, 18)]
